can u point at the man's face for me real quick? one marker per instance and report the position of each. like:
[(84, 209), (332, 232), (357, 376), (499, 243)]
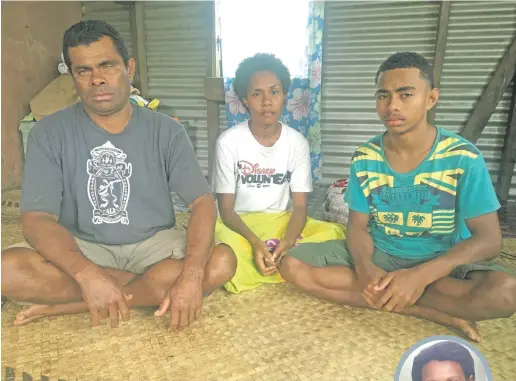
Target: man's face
[(265, 97), (101, 78), (444, 371), (403, 99)]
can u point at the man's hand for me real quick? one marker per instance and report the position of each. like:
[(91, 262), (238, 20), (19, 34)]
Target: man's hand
[(401, 288), (264, 259), (369, 276), (184, 299), (103, 295), (282, 248)]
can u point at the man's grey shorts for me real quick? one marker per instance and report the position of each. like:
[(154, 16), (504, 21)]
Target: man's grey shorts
[(136, 257)]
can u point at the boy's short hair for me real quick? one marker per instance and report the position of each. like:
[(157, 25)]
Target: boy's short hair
[(444, 351), (405, 60), (259, 62)]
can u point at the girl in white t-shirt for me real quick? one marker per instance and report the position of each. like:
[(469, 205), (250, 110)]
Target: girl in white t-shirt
[(262, 179)]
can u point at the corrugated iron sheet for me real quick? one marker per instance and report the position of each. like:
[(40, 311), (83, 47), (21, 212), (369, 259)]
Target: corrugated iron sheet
[(359, 36), (478, 35), (114, 14), (177, 44)]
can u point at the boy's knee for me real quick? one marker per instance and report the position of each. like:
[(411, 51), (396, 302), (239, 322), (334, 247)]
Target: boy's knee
[(501, 295), (289, 268), (505, 293)]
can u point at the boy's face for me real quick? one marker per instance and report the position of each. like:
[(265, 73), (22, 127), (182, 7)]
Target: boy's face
[(265, 98), (403, 99), (444, 371)]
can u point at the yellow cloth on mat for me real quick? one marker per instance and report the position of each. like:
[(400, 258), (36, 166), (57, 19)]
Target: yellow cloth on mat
[(267, 226)]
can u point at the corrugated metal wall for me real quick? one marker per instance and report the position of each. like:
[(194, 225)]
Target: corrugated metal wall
[(114, 14), (177, 41), (359, 36), (478, 36), (358, 39)]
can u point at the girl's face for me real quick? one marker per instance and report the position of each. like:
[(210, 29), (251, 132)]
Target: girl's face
[(265, 98)]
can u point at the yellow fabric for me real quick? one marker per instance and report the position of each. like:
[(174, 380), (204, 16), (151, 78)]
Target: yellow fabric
[(267, 226)]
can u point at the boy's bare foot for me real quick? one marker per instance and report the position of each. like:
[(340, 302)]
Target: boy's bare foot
[(467, 328), (464, 327)]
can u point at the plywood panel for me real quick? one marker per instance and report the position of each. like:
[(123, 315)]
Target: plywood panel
[(32, 35)]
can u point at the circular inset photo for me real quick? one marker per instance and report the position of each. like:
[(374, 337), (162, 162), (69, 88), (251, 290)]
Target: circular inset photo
[(443, 358)]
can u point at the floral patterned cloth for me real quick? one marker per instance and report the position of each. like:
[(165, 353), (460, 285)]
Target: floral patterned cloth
[(302, 109)]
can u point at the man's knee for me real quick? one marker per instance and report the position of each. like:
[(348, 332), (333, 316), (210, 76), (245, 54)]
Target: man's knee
[(159, 277), (17, 265), (222, 265)]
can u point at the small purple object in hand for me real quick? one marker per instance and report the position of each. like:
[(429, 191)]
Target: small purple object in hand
[(272, 244)]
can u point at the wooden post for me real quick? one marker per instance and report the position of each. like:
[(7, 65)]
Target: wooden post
[(491, 95), (214, 95), (139, 50), (440, 48), (134, 44), (213, 134), (509, 153), (213, 112), (211, 59)]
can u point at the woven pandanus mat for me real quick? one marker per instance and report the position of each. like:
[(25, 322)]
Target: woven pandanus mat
[(271, 333)]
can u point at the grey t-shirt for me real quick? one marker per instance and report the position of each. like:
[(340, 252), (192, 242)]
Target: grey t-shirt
[(108, 188)]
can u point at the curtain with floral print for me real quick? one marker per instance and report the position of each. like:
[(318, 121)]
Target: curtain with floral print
[(302, 109)]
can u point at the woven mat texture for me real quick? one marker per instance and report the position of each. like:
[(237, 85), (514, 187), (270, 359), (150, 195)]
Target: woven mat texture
[(272, 333)]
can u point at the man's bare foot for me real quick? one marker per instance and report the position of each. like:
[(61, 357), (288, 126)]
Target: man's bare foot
[(31, 313), (466, 328), (37, 311)]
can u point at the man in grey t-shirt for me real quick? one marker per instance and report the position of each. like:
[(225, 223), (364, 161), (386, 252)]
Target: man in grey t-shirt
[(97, 211)]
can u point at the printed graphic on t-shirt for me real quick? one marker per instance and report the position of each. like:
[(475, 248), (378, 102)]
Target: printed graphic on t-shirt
[(108, 185), (412, 211), (251, 175)]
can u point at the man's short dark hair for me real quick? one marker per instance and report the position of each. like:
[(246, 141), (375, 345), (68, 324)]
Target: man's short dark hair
[(88, 31), (256, 63), (444, 351), (406, 60)]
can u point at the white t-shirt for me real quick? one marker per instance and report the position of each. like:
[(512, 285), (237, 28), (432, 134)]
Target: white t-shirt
[(262, 177)]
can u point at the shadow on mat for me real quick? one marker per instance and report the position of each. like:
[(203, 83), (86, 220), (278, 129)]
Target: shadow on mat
[(10, 376)]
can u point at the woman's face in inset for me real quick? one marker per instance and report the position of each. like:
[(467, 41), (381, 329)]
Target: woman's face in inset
[(265, 98)]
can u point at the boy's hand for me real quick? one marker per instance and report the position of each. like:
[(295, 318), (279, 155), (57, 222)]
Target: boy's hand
[(401, 289), (369, 276)]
